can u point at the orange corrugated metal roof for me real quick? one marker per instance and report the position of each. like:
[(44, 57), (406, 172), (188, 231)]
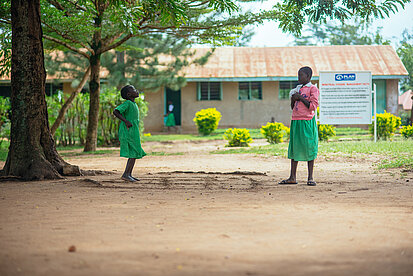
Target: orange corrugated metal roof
[(241, 62), (248, 62)]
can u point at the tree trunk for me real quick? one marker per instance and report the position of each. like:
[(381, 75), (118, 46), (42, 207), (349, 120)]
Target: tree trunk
[(32, 153), (120, 61), (94, 83), (69, 101), (94, 87)]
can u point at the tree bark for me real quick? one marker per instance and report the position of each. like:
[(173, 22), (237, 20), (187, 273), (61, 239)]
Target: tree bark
[(32, 153), (94, 82), (94, 88), (69, 101)]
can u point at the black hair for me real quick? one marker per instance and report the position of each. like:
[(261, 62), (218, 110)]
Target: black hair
[(307, 70), (124, 91)]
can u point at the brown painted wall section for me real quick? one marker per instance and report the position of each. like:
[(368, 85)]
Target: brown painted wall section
[(235, 113)]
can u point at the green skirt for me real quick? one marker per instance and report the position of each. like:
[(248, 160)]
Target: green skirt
[(303, 144), (170, 120)]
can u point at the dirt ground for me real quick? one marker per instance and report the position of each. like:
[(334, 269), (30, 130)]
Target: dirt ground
[(207, 214)]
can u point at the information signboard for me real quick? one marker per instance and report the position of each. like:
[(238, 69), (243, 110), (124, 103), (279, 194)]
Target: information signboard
[(345, 97)]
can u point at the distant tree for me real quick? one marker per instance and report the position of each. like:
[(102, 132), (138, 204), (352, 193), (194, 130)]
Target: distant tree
[(91, 28), (405, 52), (147, 63), (358, 33), (152, 62)]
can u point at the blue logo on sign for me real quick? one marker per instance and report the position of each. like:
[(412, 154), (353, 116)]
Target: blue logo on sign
[(345, 77)]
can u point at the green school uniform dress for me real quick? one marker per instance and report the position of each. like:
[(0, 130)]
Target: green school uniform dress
[(170, 120), (303, 144), (130, 142)]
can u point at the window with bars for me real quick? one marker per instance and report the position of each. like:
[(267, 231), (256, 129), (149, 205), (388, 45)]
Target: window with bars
[(250, 91), (285, 88), (209, 91)]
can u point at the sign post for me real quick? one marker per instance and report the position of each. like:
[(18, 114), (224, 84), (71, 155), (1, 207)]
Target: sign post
[(345, 98)]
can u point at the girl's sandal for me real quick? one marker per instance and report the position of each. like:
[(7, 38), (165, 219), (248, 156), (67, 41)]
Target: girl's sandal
[(136, 179), (311, 183), (128, 178)]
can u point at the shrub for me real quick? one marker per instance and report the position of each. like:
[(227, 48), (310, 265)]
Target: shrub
[(387, 124), (407, 131), (325, 131), (237, 137), (405, 117), (5, 123), (72, 130), (207, 120), (275, 132)]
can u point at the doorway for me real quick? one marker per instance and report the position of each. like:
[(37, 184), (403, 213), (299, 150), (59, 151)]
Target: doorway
[(175, 97)]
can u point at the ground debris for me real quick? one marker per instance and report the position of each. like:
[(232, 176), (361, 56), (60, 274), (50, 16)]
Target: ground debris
[(95, 172), (226, 173)]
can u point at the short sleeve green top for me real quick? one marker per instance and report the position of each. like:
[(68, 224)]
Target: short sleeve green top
[(130, 142)]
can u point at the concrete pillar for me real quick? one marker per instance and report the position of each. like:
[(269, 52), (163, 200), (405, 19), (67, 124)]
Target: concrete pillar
[(392, 94)]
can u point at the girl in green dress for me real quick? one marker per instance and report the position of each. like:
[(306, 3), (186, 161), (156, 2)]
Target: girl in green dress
[(303, 144), (130, 142)]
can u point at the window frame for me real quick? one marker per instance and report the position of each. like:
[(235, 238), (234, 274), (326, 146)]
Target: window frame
[(209, 91), (249, 91), (293, 84)]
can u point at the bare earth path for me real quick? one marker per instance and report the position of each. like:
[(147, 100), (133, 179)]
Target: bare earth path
[(204, 214)]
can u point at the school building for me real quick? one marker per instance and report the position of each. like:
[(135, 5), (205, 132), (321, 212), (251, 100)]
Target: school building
[(250, 86)]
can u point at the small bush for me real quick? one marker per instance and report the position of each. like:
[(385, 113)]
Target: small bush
[(325, 131), (407, 131), (207, 120), (5, 123), (387, 124), (405, 117), (275, 132), (237, 137)]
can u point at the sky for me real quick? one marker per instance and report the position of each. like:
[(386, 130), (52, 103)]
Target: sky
[(269, 35)]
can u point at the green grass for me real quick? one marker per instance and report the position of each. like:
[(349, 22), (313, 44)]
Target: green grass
[(274, 150), (397, 153), (347, 132), (396, 162), (367, 147), (351, 131), (216, 135), (98, 152)]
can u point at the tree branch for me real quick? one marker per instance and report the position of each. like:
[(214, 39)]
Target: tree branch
[(108, 40), (68, 37), (66, 45), (5, 21), (77, 6), (59, 7), (120, 42), (199, 4)]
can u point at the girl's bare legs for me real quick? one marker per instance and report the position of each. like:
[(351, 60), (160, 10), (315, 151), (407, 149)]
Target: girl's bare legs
[(127, 175), (293, 174), (310, 180)]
